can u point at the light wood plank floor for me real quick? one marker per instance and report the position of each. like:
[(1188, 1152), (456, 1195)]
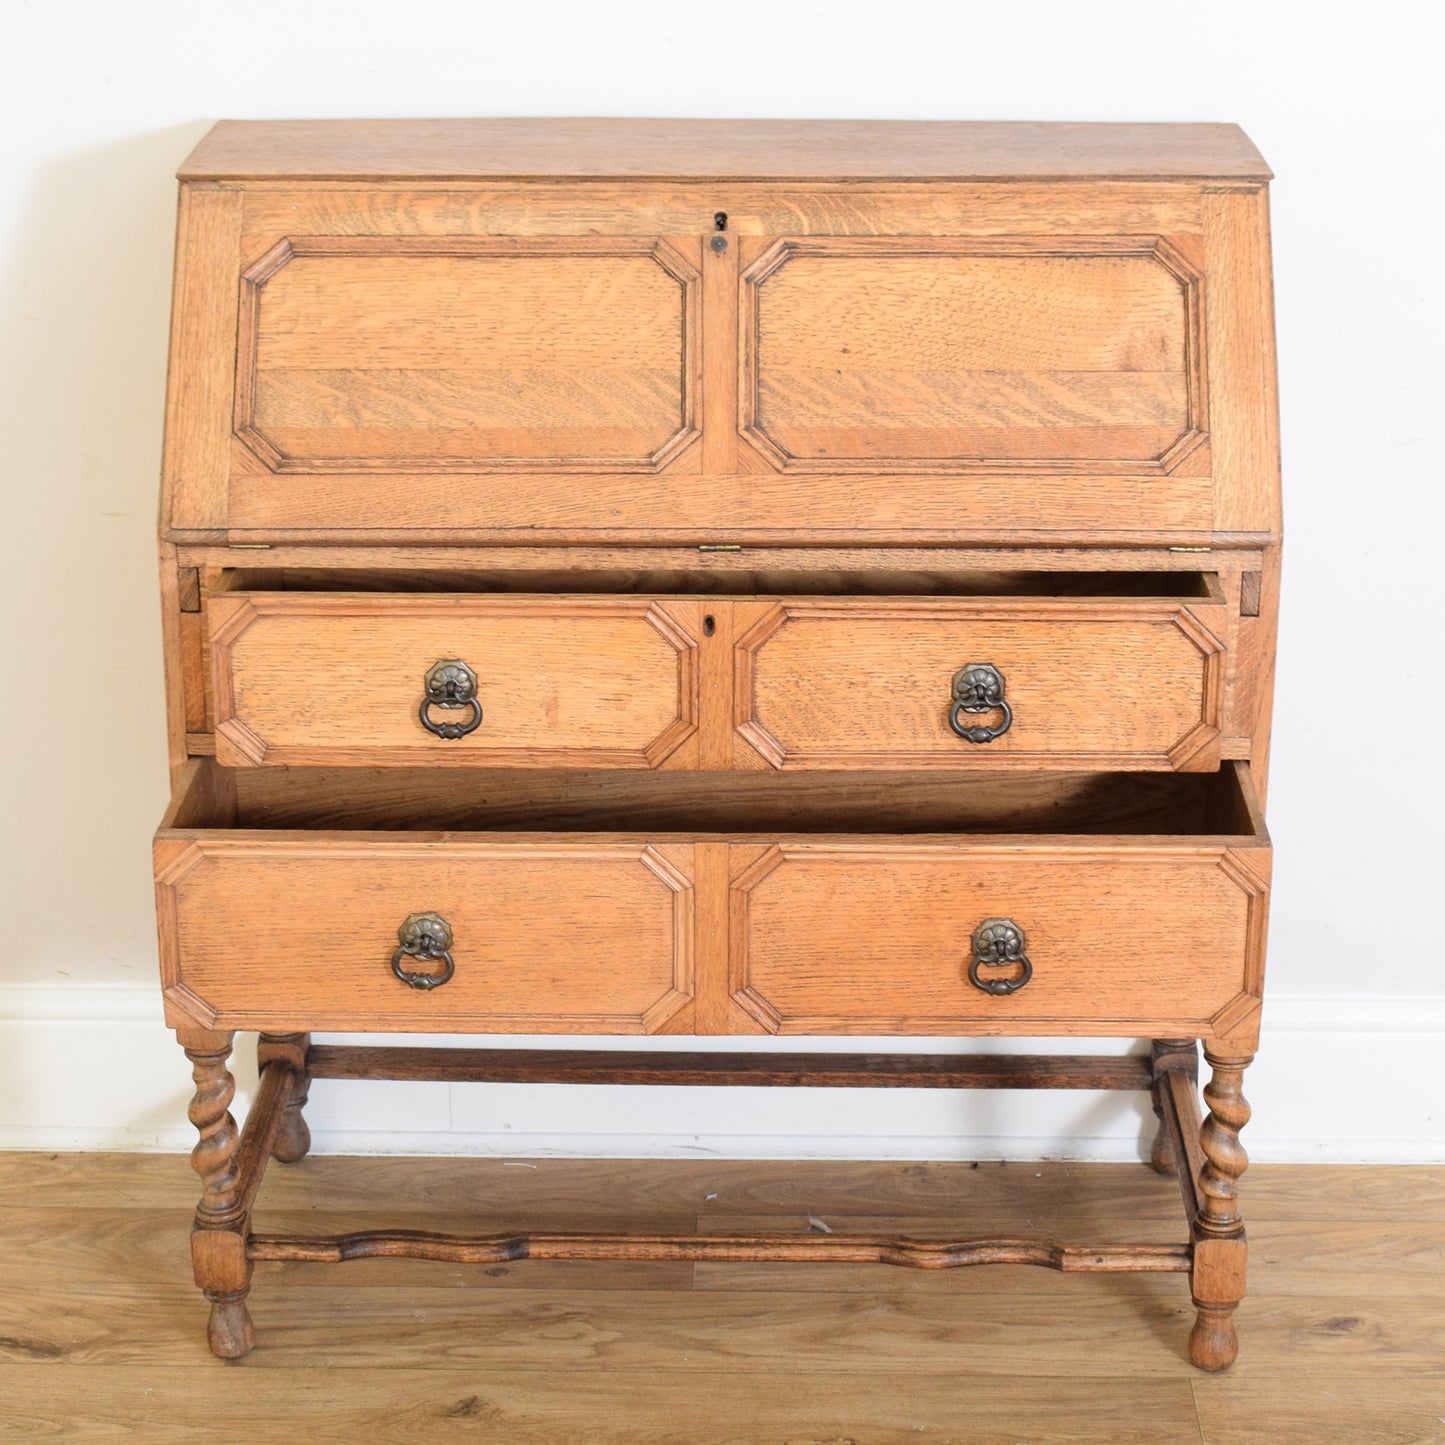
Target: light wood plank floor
[(102, 1333)]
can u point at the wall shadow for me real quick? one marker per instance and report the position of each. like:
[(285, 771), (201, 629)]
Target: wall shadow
[(86, 302)]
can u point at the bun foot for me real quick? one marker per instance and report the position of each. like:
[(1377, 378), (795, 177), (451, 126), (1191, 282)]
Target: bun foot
[(230, 1332), (1213, 1343), (293, 1138)]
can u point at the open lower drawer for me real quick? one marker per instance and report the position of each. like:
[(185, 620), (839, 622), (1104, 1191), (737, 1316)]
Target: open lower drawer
[(574, 902)]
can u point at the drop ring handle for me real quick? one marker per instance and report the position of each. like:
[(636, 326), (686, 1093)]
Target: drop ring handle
[(426, 937), (999, 943), (450, 685), (978, 688)]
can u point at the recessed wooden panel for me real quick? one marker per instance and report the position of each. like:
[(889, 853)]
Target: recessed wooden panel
[(466, 354), (572, 937), (339, 678), (858, 683), (984, 354), (875, 937)]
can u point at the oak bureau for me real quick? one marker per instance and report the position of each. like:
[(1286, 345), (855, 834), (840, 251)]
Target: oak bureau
[(719, 578)]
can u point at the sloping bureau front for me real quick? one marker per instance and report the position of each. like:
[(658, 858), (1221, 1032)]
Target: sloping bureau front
[(880, 361)]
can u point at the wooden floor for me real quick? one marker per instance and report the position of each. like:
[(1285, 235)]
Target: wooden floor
[(102, 1334)]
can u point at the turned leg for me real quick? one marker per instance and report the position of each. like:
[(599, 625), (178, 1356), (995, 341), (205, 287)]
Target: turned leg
[(1168, 1054), (218, 1236), (293, 1138), (1217, 1279)]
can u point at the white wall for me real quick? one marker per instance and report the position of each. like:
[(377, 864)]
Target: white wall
[(99, 102)]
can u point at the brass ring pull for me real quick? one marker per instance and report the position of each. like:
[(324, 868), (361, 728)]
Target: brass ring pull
[(425, 936), (978, 687), (450, 683), (997, 943)]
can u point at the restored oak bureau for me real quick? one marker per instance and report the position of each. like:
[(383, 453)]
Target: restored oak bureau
[(719, 578)]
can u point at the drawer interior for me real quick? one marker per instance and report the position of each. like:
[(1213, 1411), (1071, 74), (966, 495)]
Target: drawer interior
[(739, 580), (1219, 804)]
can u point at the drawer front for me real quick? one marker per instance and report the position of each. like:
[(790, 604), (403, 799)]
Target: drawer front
[(578, 937), (833, 683), (558, 682), (878, 937)]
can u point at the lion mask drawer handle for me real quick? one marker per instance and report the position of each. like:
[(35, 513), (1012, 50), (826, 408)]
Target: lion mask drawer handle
[(450, 684), (978, 687), (998, 943), (427, 937)]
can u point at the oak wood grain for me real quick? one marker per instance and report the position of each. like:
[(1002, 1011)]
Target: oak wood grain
[(438, 207), (792, 149), (687, 804), (538, 1406), (333, 678), (1135, 942), (1134, 1326), (201, 375), (579, 937), (972, 355), (1394, 1197), (843, 683), (468, 354)]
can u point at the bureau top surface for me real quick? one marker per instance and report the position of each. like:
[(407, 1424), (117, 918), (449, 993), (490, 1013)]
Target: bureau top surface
[(577, 148)]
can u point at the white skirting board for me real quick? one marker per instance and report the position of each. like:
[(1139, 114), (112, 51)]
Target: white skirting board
[(1338, 1079)]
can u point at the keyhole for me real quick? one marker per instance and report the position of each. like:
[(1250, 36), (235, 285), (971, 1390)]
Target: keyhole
[(720, 221), (709, 625)]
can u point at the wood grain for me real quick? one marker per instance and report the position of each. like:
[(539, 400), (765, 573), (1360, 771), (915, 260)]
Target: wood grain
[(844, 683), (970, 355), (792, 149), (873, 937), (774, 1246), (201, 375), (390, 347), (537, 1406), (1134, 1327), (1240, 321), (685, 805), (432, 207), (586, 681), (598, 507), (571, 937), (1395, 1198), (814, 1070), (591, 942), (468, 354)]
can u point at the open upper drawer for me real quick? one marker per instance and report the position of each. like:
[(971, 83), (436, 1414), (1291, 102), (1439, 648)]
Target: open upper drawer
[(600, 363), (1065, 672)]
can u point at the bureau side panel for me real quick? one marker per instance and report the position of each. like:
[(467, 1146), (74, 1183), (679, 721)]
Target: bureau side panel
[(1244, 405), (196, 462)]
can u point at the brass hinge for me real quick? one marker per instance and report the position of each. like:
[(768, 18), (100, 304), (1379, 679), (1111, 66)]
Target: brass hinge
[(720, 547)]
